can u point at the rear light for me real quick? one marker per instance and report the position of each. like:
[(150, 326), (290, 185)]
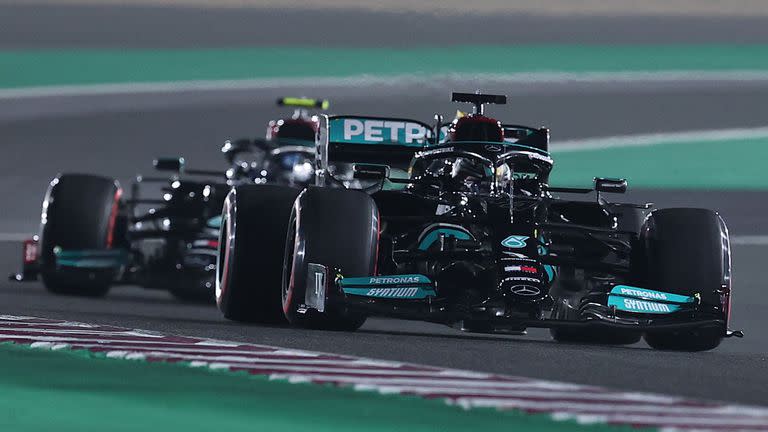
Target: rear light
[(30, 250)]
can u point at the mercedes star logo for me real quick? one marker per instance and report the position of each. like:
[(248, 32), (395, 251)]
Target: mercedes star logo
[(525, 290)]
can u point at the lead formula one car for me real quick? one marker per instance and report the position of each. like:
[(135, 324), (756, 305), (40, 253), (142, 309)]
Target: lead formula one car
[(474, 237)]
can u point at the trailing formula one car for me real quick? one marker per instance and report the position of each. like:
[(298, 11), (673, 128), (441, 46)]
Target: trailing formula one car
[(92, 237), (286, 156), (474, 237)]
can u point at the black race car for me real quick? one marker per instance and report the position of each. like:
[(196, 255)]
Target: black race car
[(474, 236), (287, 154), (92, 236)]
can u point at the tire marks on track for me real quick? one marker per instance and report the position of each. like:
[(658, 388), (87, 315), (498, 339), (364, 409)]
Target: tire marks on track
[(467, 389)]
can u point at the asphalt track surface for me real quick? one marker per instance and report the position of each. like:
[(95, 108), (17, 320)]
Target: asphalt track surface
[(51, 26), (120, 135)]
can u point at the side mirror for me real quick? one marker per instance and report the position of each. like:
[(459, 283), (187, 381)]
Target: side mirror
[(169, 164), (610, 185), (370, 171)]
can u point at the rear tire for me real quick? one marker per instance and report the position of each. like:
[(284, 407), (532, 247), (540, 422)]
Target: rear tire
[(80, 212), (686, 251), (250, 257), (335, 228)]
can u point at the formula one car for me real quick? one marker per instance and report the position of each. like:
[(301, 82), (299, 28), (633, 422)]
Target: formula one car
[(92, 237), (287, 154), (474, 237)]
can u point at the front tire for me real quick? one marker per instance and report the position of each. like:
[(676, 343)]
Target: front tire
[(687, 251), (339, 230), (250, 256), (80, 212)]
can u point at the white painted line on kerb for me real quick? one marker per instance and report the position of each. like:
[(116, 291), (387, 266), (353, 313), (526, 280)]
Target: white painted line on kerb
[(544, 77)]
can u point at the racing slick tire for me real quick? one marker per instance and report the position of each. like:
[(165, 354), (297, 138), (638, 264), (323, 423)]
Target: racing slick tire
[(596, 335), (339, 230), (80, 212), (686, 251), (250, 259)]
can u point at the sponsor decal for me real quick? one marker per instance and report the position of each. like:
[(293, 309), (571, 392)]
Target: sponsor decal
[(406, 292), (646, 294), (525, 290), (494, 148), (391, 280), (521, 268), (520, 279), (515, 241), (641, 306), (642, 293), (377, 131), (393, 292), (407, 279), (514, 259), (381, 286)]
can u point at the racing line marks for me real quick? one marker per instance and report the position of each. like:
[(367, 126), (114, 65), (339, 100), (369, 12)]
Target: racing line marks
[(467, 389)]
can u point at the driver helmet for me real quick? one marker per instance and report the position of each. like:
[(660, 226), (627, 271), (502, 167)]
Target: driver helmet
[(297, 129), (475, 127)]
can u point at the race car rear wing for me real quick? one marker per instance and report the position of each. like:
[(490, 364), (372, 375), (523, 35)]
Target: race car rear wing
[(514, 134), (372, 140)]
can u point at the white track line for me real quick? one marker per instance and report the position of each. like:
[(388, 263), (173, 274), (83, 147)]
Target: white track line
[(363, 81), (562, 401), (666, 138), (750, 240)]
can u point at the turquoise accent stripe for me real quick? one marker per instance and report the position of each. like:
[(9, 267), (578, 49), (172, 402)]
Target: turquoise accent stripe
[(432, 237), (214, 222), (96, 259), (550, 271)]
